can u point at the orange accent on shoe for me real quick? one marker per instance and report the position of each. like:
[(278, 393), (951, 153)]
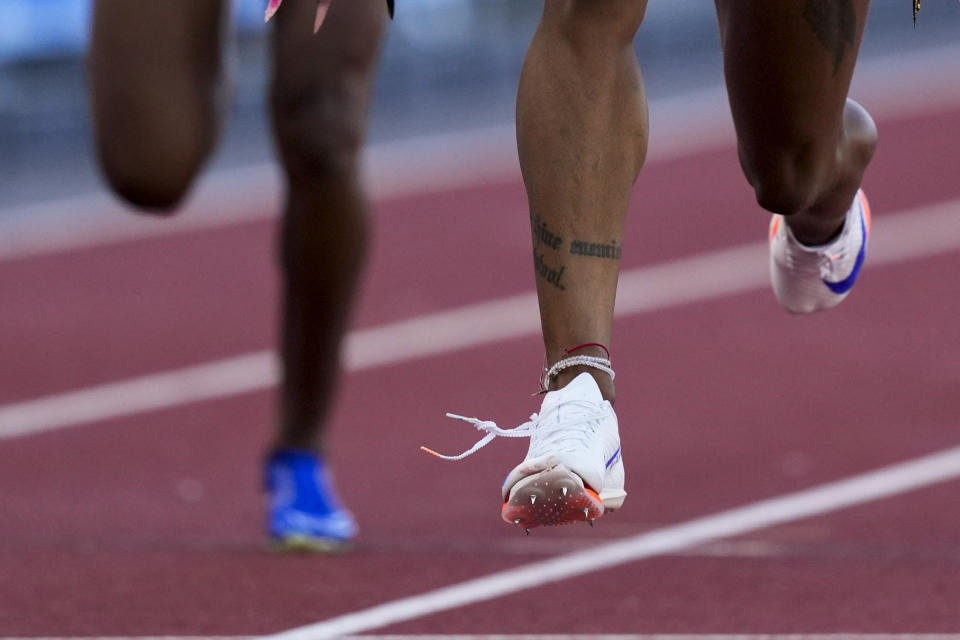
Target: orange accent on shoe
[(774, 225), (866, 210)]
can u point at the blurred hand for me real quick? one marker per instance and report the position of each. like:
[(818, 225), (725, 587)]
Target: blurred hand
[(322, 6)]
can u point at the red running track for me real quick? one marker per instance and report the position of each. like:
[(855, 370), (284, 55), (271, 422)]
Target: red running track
[(151, 524)]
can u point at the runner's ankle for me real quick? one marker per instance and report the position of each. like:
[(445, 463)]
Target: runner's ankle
[(607, 388)]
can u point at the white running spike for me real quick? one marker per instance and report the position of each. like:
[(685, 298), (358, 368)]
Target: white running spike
[(807, 279), (533, 499), (564, 490)]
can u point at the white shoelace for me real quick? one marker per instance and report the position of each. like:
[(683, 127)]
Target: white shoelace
[(566, 435)]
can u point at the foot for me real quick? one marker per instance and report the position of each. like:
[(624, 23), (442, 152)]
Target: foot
[(573, 471), (807, 279), (304, 512)]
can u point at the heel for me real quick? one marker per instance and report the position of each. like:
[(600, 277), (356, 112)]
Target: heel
[(613, 494)]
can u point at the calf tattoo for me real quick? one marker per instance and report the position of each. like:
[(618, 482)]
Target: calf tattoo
[(551, 274), (835, 24), (545, 238), (596, 249), (543, 235)]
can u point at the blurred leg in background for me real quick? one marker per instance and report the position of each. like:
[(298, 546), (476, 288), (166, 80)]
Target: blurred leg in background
[(157, 90), (320, 96), (157, 95)]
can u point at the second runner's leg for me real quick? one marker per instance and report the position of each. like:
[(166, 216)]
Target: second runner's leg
[(321, 91), (803, 144)]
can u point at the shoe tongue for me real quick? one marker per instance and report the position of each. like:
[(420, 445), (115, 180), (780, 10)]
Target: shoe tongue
[(583, 387)]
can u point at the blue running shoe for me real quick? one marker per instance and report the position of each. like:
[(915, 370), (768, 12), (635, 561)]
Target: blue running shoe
[(304, 512)]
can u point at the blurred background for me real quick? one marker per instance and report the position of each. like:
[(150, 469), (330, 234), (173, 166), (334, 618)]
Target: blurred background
[(149, 522), (448, 65)]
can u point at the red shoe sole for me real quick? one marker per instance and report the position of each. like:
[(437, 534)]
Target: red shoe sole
[(551, 498)]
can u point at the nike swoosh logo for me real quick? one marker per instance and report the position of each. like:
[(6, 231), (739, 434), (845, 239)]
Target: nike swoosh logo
[(613, 458), (846, 284)]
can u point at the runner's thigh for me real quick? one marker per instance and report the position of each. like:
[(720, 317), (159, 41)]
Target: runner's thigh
[(155, 73)]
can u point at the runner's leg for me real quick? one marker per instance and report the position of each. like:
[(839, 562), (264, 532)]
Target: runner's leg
[(803, 144), (582, 137), (157, 95), (321, 90)]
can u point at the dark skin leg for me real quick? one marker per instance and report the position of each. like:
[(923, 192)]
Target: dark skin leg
[(157, 90), (320, 95), (156, 93), (803, 144)]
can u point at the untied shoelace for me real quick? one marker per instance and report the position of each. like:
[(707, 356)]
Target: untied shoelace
[(555, 434)]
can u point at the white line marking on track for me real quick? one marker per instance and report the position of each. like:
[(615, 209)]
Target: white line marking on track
[(855, 490), (896, 238), (674, 636), (592, 636)]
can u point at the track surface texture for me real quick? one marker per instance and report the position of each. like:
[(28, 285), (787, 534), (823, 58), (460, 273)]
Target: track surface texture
[(150, 524)]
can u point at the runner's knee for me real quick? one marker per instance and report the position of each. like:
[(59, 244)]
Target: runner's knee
[(787, 179), (320, 132), (319, 135), (596, 22), (153, 175), (792, 173), (320, 120)]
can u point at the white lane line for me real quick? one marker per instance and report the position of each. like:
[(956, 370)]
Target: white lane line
[(896, 238), (672, 636), (217, 379), (855, 490), (675, 636), (681, 125), (567, 636)]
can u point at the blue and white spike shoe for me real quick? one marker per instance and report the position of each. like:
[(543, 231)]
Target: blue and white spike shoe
[(807, 279), (304, 512)]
